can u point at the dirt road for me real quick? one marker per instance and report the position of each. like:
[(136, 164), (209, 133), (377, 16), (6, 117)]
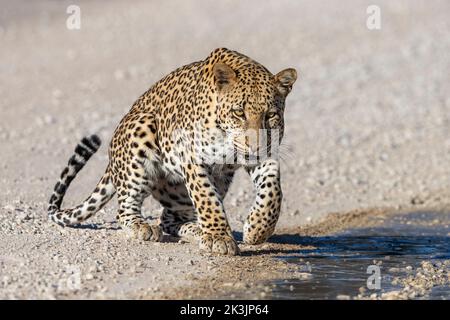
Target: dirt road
[(368, 126)]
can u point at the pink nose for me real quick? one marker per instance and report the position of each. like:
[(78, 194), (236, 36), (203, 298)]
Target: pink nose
[(252, 137), (253, 148)]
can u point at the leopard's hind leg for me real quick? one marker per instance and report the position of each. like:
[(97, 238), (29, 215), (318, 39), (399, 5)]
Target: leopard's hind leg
[(135, 171), (178, 218), (129, 215), (180, 224)]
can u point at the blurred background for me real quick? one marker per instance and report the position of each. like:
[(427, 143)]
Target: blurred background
[(367, 121)]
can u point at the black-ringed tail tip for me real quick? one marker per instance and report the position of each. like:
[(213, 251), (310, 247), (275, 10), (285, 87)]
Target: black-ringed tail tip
[(104, 191)]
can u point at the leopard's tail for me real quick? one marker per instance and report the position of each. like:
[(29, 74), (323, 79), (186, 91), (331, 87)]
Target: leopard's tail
[(99, 197)]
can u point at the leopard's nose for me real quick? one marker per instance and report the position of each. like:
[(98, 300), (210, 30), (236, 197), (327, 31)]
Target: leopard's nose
[(252, 140), (253, 148)]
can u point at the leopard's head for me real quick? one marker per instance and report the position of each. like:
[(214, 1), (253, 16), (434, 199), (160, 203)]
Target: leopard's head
[(251, 103)]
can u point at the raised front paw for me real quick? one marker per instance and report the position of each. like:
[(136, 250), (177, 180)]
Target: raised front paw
[(218, 244), (146, 232), (256, 234)]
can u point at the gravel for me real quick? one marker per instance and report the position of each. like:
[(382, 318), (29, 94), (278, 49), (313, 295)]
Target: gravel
[(417, 284)]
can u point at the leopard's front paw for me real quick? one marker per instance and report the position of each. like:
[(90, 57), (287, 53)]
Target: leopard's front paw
[(256, 235), (217, 244), (146, 232)]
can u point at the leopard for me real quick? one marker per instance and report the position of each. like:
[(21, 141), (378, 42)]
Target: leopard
[(164, 147)]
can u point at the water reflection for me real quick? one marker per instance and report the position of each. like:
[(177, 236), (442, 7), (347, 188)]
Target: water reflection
[(339, 262)]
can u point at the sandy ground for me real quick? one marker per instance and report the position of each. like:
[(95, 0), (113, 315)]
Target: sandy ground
[(367, 123)]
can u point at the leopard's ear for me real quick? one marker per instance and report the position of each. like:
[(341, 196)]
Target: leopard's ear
[(285, 79), (224, 76)]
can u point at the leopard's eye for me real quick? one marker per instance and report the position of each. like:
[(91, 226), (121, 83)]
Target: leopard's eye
[(272, 115), (238, 113)]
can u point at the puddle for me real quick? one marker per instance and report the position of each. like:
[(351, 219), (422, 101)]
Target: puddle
[(338, 263)]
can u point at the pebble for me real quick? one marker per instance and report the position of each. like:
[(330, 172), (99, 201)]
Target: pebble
[(303, 275), (9, 207)]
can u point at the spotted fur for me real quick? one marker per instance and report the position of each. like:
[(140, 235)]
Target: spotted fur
[(155, 151)]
